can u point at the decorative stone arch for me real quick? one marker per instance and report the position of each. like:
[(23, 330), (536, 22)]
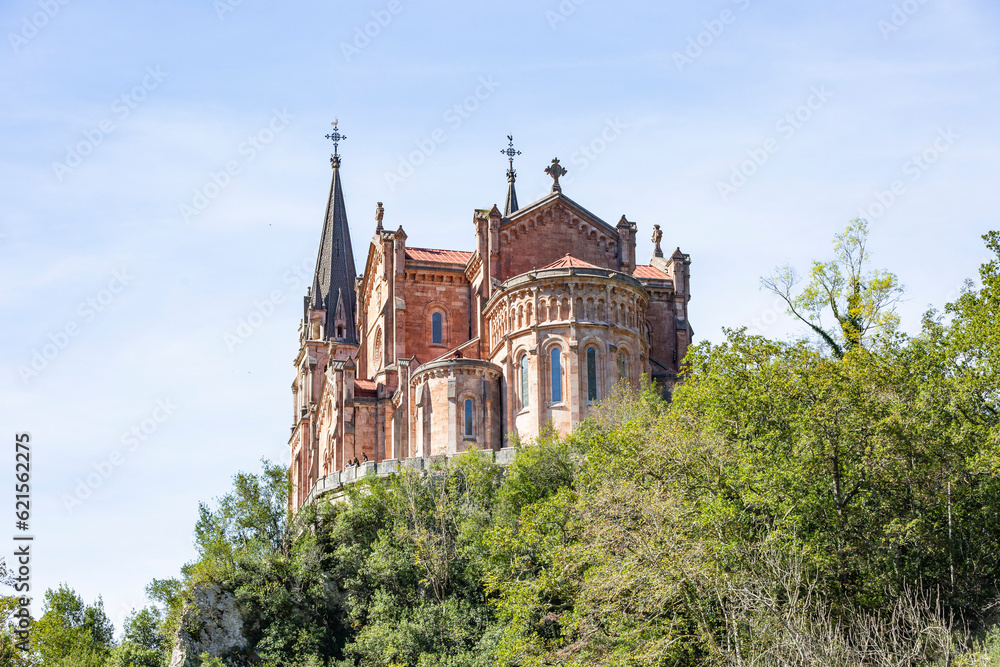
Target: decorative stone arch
[(554, 385), (470, 400), (378, 352), (521, 362), (593, 387), (441, 309), (625, 361)]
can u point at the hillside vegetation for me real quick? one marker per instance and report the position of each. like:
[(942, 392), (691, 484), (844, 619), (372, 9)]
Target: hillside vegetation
[(792, 505)]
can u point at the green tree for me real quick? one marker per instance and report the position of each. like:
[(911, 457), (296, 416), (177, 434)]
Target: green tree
[(71, 633), (248, 524), (10, 653), (143, 643), (861, 300)]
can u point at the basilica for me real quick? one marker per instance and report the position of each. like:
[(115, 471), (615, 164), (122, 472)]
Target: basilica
[(431, 352)]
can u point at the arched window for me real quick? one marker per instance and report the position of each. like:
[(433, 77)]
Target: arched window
[(525, 382), (377, 350), (437, 329), (622, 365), (468, 418), (556, 356), (591, 374)]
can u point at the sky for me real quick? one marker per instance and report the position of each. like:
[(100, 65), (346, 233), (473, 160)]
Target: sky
[(164, 173)]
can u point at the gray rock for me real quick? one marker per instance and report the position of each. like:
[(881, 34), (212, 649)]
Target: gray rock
[(210, 624)]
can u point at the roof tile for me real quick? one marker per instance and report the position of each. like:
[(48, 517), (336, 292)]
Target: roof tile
[(649, 272), (569, 261), (438, 255)]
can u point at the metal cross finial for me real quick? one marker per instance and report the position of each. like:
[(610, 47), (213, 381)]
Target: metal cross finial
[(510, 152), (336, 137), (555, 170)]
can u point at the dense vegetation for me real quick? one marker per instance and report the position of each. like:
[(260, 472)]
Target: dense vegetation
[(792, 505)]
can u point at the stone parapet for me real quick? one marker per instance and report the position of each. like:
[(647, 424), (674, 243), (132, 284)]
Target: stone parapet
[(338, 481)]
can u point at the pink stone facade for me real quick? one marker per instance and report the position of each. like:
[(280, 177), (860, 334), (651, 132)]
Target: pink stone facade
[(460, 350)]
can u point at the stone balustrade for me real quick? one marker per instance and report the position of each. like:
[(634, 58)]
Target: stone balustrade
[(336, 482)]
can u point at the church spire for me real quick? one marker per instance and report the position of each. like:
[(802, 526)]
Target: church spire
[(510, 152), (333, 287)]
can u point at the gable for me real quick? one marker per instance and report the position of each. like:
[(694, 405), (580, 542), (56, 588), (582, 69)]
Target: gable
[(547, 230)]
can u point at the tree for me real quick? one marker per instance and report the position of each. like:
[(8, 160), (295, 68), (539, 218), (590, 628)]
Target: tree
[(10, 653), (249, 523), (71, 633), (972, 344), (861, 300), (143, 644)]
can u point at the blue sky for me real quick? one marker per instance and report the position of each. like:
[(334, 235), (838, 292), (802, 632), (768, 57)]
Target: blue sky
[(750, 131)]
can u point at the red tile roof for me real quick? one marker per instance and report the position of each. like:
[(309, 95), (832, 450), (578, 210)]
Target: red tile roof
[(364, 387), (649, 272), (570, 261), (439, 256)]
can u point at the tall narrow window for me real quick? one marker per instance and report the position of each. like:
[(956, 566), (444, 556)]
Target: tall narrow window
[(591, 374), (621, 366), (468, 418), (525, 382), (436, 329), (556, 356)]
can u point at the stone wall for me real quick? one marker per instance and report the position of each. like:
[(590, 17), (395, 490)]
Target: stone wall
[(336, 482)]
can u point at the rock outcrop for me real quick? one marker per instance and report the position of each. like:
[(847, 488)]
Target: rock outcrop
[(211, 624)]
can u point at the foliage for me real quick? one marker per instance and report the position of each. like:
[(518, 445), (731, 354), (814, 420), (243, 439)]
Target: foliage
[(786, 507), (861, 300), (71, 633), (143, 643)]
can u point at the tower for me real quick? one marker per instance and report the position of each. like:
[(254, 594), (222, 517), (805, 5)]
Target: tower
[(328, 332), (332, 296)]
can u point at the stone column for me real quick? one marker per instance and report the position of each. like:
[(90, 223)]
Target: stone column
[(350, 412), (401, 419), (452, 416)]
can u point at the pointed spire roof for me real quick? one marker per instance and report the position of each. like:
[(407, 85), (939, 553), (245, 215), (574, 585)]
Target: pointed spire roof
[(333, 287), (511, 205)]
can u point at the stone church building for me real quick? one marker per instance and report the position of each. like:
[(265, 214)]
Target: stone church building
[(433, 351)]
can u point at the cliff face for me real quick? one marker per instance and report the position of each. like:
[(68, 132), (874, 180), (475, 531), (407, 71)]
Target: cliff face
[(211, 625)]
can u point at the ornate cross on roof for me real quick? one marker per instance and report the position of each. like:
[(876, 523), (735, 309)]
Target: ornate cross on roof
[(555, 170), (336, 137), (510, 152)]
